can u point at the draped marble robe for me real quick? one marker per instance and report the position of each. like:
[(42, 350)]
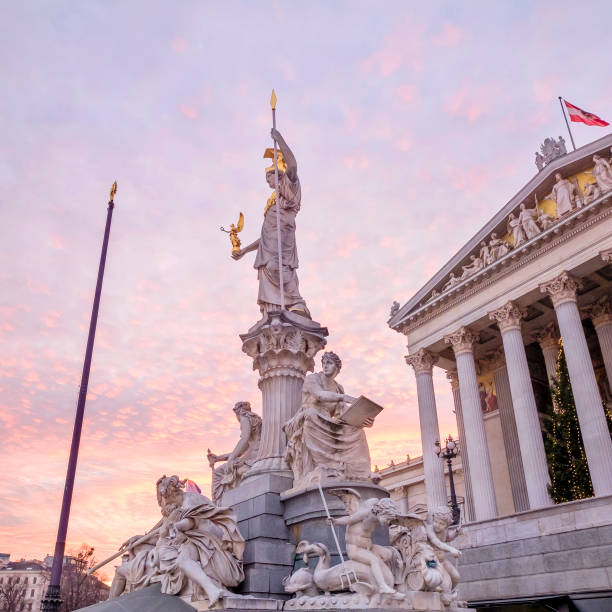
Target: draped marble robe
[(266, 260), (319, 445)]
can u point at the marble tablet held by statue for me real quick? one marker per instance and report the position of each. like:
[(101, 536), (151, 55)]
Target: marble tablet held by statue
[(361, 410)]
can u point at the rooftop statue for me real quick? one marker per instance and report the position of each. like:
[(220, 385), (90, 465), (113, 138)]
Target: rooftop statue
[(195, 549), (319, 444), (238, 462), (289, 199)]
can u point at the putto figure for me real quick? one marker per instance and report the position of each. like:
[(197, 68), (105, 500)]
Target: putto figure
[(266, 260), (319, 444), (195, 549), (229, 475)]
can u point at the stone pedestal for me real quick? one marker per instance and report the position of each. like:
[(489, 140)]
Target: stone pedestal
[(306, 518), (282, 346)]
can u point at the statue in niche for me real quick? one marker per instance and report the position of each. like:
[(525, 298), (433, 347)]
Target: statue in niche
[(564, 194), (602, 171), (195, 549), (516, 229), (498, 247), (526, 218), (238, 462), (266, 260), (476, 264), (319, 444)]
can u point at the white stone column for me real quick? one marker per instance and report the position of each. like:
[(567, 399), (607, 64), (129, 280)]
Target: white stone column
[(465, 462), (593, 425), (282, 351), (512, 447), (485, 506), (435, 486), (508, 319), (601, 314), (548, 339)]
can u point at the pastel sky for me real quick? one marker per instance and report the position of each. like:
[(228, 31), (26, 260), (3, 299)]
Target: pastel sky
[(412, 123)]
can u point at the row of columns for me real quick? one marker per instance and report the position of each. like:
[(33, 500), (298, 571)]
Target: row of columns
[(519, 418)]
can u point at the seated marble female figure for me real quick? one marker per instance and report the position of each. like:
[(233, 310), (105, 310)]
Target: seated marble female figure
[(319, 444)]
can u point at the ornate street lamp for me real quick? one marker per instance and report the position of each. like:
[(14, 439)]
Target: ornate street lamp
[(448, 454)]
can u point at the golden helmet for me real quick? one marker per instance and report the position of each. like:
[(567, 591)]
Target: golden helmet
[(282, 165)]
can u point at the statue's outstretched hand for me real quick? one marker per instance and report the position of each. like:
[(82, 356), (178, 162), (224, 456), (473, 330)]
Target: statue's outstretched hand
[(238, 255), (129, 542)]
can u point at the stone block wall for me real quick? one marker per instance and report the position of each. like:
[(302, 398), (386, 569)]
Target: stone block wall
[(558, 550)]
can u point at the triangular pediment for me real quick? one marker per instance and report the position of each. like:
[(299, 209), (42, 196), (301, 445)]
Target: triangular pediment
[(575, 166)]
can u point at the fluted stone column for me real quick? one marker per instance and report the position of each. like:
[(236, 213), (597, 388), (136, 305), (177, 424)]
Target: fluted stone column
[(435, 486), (593, 425), (508, 319), (601, 314), (548, 339), (512, 446), (485, 506), (465, 462), (282, 349)]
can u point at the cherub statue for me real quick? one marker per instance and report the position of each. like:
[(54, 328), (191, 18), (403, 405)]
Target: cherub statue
[(233, 233), (383, 561), (424, 545)]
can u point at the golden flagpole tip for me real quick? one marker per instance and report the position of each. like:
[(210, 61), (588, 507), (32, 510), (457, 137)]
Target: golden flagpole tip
[(113, 191), (273, 100)]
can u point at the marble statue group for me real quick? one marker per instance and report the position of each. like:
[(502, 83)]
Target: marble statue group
[(196, 550)]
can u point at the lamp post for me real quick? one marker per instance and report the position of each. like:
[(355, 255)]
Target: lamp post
[(449, 453)]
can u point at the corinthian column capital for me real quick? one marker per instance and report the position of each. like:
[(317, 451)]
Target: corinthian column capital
[(462, 340), (562, 288), (548, 336), (507, 317), (453, 377), (606, 255), (600, 312), (422, 361)]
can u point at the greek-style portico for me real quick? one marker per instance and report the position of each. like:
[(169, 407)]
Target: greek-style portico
[(492, 318)]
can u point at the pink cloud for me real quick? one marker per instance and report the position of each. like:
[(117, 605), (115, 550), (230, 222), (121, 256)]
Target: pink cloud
[(189, 111), (402, 46), (471, 101), (356, 161), (449, 36), (406, 93), (179, 44), (57, 242)]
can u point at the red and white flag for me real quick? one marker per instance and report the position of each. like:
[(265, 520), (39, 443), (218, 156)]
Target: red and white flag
[(581, 116)]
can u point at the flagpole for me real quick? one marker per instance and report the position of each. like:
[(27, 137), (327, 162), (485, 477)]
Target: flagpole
[(567, 122), (52, 600), (278, 224)]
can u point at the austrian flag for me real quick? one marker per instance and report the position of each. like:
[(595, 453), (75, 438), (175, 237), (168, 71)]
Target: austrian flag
[(581, 116)]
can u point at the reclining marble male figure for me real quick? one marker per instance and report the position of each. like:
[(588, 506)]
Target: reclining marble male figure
[(195, 547)]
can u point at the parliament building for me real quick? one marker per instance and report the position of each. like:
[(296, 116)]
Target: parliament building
[(534, 280)]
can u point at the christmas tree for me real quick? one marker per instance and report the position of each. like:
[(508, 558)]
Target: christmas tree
[(567, 463)]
